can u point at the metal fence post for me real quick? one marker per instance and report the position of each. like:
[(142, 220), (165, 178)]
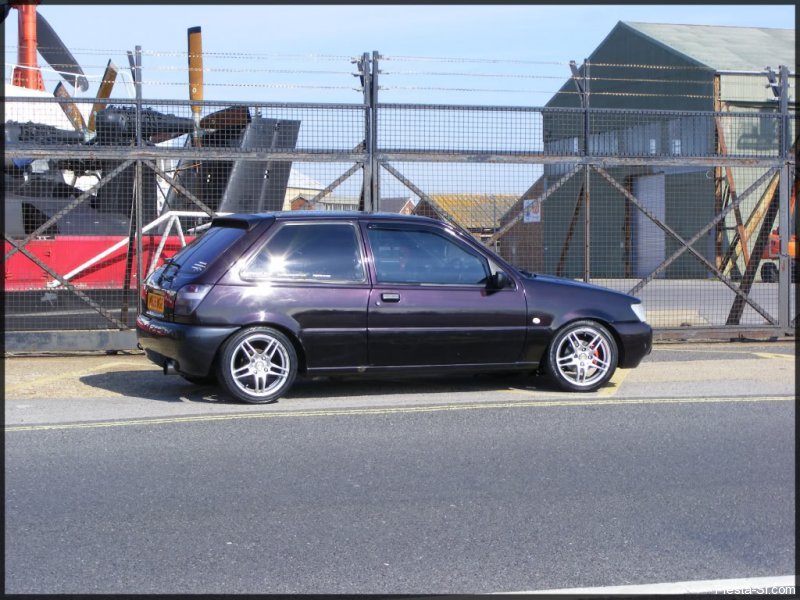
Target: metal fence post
[(373, 146), (366, 203), (139, 195), (134, 231), (784, 219), (587, 151)]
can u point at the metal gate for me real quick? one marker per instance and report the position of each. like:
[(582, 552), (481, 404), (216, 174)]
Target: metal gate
[(650, 202)]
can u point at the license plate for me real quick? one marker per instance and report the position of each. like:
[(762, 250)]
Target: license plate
[(155, 302)]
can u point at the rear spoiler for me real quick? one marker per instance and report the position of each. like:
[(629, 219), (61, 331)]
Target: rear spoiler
[(239, 222)]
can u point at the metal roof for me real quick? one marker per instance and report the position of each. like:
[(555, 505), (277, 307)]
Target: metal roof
[(724, 48), (394, 204), (472, 211)]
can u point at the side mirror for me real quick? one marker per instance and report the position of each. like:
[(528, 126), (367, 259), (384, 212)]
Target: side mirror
[(499, 281)]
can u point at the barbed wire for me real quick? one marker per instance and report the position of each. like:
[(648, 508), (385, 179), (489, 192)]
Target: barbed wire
[(648, 95), (452, 89), (184, 55), (248, 56), (461, 74), (327, 57), (256, 85), (182, 69), (643, 80), (556, 77), (551, 92), (210, 70), (154, 70), (645, 66), (472, 60), (251, 70)]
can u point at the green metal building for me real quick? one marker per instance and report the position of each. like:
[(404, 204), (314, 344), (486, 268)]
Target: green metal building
[(690, 72)]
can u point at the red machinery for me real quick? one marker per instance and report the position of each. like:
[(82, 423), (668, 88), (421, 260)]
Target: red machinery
[(772, 251)]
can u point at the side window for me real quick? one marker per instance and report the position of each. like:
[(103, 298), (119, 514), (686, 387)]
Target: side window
[(324, 252), (424, 257)]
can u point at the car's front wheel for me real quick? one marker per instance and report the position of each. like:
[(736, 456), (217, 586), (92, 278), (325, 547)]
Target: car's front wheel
[(582, 356), (258, 365)]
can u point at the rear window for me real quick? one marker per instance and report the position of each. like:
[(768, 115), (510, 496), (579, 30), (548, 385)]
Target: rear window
[(197, 255)]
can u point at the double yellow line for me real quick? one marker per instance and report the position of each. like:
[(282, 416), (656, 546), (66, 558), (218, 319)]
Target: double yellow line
[(398, 410)]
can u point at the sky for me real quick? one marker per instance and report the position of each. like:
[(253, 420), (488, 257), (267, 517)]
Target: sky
[(509, 54)]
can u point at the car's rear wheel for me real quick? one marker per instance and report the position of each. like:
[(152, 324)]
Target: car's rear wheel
[(258, 365), (582, 356)]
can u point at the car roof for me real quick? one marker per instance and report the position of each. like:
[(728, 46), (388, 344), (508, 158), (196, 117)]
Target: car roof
[(296, 215)]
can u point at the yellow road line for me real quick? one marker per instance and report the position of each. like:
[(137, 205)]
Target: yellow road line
[(730, 350), (397, 410), (773, 355), (616, 379), (610, 389)]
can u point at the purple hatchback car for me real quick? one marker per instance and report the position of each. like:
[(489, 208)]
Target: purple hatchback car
[(259, 298)]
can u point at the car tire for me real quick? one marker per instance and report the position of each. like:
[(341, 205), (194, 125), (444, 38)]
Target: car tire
[(769, 272), (257, 365), (582, 356)]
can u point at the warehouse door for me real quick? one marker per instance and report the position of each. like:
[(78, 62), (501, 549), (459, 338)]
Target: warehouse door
[(649, 238)]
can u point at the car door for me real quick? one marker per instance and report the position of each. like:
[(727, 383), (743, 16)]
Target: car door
[(309, 276), (429, 303)]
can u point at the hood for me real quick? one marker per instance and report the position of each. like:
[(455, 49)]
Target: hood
[(563, 281), (554, 301)]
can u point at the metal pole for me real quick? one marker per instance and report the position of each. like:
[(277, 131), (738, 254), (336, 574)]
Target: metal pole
[(139, 192), (785, 137), (784, 218), (366, 84), (374, 169), (135, 225), (587, 238)]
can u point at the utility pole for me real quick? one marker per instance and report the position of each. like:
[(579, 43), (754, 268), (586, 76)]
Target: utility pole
[(373, 146), (365, 76)]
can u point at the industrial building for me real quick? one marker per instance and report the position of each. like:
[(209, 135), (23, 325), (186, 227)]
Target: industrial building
[(666, 68)]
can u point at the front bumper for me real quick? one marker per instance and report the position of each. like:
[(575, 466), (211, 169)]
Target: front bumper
[(636, 342), (191, 347)]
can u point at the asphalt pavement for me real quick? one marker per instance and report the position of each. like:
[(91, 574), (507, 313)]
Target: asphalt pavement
[(122, 480)]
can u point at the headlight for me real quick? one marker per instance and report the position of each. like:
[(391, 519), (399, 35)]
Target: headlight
[(638, 310)]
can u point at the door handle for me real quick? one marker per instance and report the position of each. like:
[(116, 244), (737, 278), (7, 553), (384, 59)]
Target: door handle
[(390, 297)]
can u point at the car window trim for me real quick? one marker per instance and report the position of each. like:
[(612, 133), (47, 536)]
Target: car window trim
[(424, 228), (495, 263), (273, 231)]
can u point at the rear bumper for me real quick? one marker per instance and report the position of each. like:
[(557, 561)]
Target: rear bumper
[(636, 342), (191, 347)]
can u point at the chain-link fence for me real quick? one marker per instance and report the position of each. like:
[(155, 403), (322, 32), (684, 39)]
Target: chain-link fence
[(692, 210)]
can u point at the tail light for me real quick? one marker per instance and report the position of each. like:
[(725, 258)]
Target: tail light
[(189, 298)]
